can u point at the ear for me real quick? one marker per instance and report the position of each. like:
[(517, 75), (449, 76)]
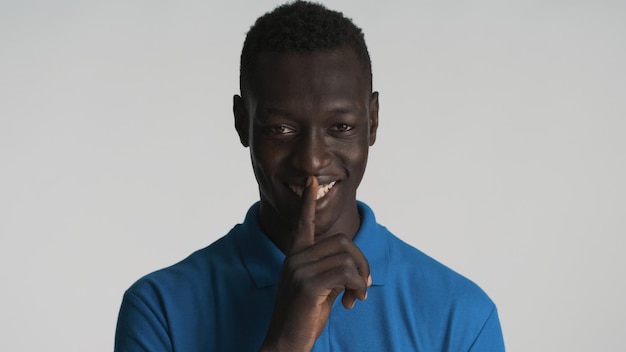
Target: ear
[(373, 117), (242, 122)]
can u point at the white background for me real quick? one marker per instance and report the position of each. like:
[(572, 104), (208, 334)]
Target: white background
[(501, 152)]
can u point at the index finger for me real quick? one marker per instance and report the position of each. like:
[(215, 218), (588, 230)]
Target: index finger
[(304, 233)]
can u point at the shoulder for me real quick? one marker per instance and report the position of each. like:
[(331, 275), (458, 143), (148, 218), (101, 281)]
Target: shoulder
[(437, 306), (455, 310), (431, 278), (191, 273)]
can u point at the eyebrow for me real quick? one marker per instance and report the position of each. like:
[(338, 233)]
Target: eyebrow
[(275, 111), (338, 108), (343, 109)]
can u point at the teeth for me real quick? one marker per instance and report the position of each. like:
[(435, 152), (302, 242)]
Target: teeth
[(297, 190), (321, 190)]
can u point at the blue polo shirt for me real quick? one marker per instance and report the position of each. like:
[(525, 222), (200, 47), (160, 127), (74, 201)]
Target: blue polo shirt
[(221, 297)]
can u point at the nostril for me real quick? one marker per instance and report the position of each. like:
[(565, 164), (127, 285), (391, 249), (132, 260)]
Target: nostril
[(312, 164), (312, 155)]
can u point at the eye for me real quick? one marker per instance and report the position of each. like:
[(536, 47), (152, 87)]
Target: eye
[(280, 129), (342, 127)]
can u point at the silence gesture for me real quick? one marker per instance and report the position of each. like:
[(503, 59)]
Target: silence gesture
[(313, 276)]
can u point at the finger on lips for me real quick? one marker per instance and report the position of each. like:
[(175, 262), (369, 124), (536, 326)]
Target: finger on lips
[(304, 235), (341, 261)]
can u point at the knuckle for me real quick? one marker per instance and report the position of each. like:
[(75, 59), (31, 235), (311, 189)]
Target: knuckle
[(344, 241), (292, 268), (347, 274), (299, 275), (302, 224), (346, 261)]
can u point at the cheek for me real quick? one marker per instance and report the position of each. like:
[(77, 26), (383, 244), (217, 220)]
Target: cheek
[(355, 154), (266, 161), (354, 160), (263, 156)]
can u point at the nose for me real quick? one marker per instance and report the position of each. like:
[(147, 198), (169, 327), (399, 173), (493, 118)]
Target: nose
[(311, 153)]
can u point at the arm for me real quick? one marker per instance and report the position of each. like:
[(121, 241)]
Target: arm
[(490, 336), (139, 328)]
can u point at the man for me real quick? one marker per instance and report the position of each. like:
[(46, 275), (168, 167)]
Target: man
[(309, 268)]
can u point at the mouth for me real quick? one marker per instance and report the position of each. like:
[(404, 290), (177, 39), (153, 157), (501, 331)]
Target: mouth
[(322, 190)]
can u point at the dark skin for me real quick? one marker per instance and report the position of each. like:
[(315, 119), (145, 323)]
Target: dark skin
[(309, 120)]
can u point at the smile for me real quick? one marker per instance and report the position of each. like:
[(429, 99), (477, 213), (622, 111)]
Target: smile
[(322, 190)]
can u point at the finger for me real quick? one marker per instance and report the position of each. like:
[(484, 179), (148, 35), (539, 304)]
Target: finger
[(342, 279), (304, 234), (335, 252), (335, 273), (358, 261), (349, 299), (350, 296), (336, 245)]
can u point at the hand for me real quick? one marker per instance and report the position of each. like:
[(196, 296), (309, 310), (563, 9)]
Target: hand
[(313, 276)]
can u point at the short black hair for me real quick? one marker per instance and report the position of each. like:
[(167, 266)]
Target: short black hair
[(300, 27)]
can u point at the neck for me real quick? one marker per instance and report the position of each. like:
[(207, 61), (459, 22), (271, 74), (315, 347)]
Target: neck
[(280, 230)]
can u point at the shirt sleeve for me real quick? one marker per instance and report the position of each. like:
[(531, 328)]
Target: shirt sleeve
[(490, 337), (140, 327)]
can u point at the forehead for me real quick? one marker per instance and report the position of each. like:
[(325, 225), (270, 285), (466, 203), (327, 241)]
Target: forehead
[(314, 75)]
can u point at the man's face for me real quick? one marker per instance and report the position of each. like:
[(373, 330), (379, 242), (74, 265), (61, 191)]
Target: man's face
[(309, 114)]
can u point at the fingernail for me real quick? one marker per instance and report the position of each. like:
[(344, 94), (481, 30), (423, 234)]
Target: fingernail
[(364, 298), (369, 280), (309, 181), (353, 303)]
